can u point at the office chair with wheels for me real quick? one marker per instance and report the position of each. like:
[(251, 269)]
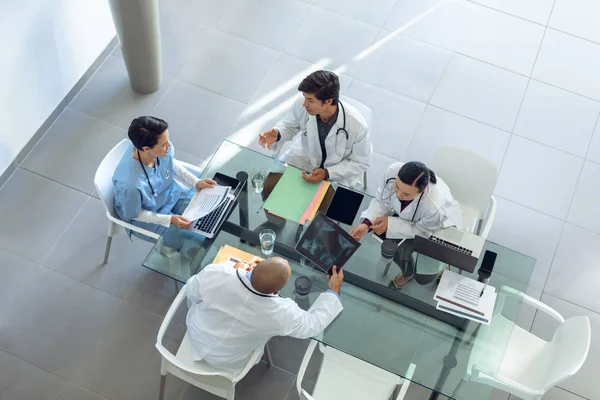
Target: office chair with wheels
[(105, 189)]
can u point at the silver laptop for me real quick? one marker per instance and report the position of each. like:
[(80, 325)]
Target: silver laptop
[(209, 225), (454, 246), (459, 240)]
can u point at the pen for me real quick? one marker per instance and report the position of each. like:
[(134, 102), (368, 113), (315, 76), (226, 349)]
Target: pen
[(481, 294)]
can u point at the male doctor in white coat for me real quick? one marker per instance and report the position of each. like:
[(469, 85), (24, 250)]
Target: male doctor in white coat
[(233, 312), (334, 140), (411, 200)]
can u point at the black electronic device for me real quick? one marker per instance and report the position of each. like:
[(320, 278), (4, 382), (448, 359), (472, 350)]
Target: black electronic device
[(344, 205), (225, 180), (326, 244), (487, 265)]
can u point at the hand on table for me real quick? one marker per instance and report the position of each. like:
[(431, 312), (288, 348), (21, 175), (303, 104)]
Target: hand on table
[(267, 138), (380, 225), (336, 279), (316, 176), (180, 222), (359, 232), (205, 183)]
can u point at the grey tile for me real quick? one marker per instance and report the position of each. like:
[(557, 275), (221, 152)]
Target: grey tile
[(229, 65), (556, 394), (153, 292), (34, 212), (268, 22), (109, 97), (73, 392), (293, 395), (72, 149), (574, 268), (288, 352), (80, 252), (544, 326), (123, 364), (198, 119), (22, 381), (54, 321), (330, 39), (264, 382)]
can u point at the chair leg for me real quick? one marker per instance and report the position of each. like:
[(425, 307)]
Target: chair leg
[(161, 393), (365, 180), (107, 250), (268, 352)]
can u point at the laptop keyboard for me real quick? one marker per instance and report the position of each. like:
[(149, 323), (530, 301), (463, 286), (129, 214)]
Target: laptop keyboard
[(208, 223), (450, 245)]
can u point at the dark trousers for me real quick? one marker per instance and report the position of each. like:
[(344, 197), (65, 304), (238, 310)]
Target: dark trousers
[(403, 258)]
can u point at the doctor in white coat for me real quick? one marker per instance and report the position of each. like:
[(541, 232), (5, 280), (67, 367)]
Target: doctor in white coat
[(233, 312), (333, 142), (411, 200)]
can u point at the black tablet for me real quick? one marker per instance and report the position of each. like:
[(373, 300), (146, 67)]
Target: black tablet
[(326, 244), (344, 205)]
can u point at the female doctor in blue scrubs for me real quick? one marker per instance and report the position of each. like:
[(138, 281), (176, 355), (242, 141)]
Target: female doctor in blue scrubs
[(146, 190)]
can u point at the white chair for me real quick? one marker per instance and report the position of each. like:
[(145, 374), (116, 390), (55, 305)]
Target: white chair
[(472, 180), (527, 366), (198, 373), (104, 187), (343, 377), (368, 116)]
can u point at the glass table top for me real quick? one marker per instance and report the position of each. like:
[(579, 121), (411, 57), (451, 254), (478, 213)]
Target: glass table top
[(387, 328)]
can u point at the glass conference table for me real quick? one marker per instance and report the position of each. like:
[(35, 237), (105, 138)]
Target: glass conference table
[(387, 328)]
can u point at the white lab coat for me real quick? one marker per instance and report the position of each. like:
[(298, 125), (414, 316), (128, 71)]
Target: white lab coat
[(437, 209), (346, 159), (228, 321)]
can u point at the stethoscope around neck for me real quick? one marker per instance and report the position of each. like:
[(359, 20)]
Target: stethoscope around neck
[(340, 130), (146, 173), (382, 199)]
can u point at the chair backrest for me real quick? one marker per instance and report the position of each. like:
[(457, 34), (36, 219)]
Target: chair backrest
[(470, 177), (104, 174), (568, 350), (306, 396), (364, 110)]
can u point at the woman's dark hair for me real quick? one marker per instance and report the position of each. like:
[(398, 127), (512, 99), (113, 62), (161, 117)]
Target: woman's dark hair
[(415, 173), (324, 85), (144, 131)]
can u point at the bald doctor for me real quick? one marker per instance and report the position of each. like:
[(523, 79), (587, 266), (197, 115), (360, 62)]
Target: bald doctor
[(233, 312)]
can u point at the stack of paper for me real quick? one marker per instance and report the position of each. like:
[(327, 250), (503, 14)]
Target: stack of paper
[(295, 199), (461, 296), (205, 201)]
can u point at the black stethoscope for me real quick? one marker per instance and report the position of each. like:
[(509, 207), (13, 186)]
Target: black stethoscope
[(252, 290), (342, 129), (145, 173), (390, 196)]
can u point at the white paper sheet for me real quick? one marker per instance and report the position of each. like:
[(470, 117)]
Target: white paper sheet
[(205, 201)]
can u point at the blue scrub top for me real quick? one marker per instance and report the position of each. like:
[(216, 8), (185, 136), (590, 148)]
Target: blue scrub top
[(133, 194)]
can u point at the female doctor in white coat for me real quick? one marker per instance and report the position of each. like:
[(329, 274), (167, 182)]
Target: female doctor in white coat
[(410, 200), (334, 140)]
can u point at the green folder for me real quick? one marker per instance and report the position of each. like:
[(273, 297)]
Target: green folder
[(291, 196)]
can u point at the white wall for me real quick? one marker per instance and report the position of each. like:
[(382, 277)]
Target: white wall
[(45, 46)]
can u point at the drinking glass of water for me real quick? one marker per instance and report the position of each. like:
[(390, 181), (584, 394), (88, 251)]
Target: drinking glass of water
[(257, 176), (267, 241)]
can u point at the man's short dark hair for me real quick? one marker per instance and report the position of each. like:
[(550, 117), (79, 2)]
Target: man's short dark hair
[(324, 85), (144, 131)]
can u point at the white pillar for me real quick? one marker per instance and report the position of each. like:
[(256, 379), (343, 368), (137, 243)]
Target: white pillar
[(138, 29)]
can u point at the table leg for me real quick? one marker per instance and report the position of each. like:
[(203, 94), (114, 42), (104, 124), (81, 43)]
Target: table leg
[(449, 362), (243, 201)]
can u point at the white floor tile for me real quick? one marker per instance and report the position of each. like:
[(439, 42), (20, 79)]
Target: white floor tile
[(529, 232), (438, 22), (229, 65), (440, 127), (558, 118), (402, 65), (538, 177), (198, 119), (584, 210), (374, 12), (594, 150), (570, 63), (533, 10), (331, 39), (108, 95), (582, 382), (379, 164), (395, 117), (206, 12), (480, 91), (503, 40), (557, 394), (268, 22), (577, 17)]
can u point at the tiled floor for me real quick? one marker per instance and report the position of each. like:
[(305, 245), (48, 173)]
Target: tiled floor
[(513, 80)]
